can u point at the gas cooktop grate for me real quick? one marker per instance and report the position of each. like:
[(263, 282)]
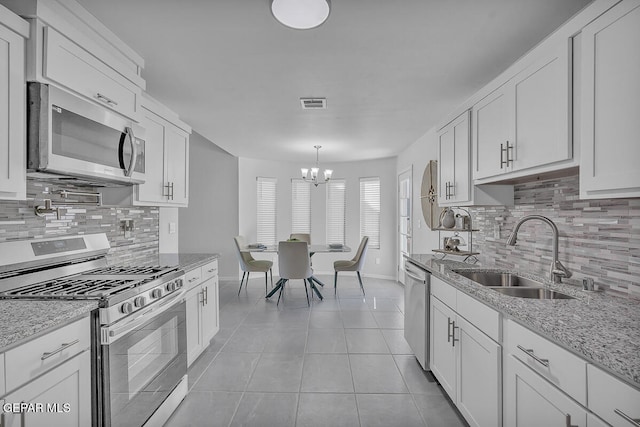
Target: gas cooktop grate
[(152, 271), (73, 288)]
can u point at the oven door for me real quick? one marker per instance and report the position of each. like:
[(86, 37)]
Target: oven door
[(73, 137), (142, 366)]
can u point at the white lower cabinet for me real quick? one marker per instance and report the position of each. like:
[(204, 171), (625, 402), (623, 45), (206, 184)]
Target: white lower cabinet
[(614, 401), (64, 393), (52, 375), (531, 401), (467, 363), (203, 317)]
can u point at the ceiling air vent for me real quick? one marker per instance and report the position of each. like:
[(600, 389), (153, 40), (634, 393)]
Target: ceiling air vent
[(313, 103)]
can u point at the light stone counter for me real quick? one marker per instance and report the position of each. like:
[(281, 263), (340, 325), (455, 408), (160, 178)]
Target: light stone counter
[(22, 320), (603, 329)]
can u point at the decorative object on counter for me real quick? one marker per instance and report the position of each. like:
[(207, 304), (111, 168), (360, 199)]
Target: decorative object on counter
[(313, 176), (429, 196), (456, 220), (557, 271), (301, 14), (127, 226), (447, 218)]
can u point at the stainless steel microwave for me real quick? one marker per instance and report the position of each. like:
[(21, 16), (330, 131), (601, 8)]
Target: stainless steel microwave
[(74, 140)]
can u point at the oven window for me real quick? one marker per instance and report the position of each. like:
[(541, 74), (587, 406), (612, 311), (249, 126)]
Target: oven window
[(80, 138), (143, 367)]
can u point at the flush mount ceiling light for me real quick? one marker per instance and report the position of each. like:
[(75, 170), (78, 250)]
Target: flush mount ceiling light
[(314, 171), (301, 14)]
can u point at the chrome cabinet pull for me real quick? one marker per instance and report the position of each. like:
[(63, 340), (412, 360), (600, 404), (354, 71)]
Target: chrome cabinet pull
[(453, 334), (529, 352), (172, 191), (63, 347), (568, 421), (169, 187), (100, 97), (211, 271), (502, 150), (451, 331), (632, 421), (509, 150), (206, 295), (452, 188)]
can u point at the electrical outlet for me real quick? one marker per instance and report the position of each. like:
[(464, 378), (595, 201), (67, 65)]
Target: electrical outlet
[(377, 260), (172, 228)]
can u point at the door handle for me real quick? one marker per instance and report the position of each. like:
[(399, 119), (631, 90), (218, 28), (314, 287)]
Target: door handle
[(128, 171), (100, 97), (530, 353)]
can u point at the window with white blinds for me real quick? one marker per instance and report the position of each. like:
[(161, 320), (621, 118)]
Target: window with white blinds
[(370, 210), (336, 211), (300, 206), (267, 210)]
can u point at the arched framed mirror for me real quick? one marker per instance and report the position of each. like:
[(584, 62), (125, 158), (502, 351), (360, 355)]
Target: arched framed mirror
[(429, 195)]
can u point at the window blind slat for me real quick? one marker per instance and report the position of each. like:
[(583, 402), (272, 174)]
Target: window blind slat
[(267, 213), (300, 206), (370, 210), (336, 211)]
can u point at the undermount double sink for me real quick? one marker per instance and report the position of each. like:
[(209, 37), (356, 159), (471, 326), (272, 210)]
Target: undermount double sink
[(511, 284)]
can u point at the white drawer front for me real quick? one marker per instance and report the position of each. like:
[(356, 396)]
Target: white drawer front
[(611, 399), (479, 315), (559, 366), (193, 277), (210, 270), (444, 292), (70, 65), (35, 357)]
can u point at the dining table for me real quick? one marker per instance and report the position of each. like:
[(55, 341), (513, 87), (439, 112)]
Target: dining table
[(313, 249)]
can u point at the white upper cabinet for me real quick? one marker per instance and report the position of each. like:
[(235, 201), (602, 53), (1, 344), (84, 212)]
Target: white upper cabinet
[(13, 181), (70, 48), (454, 148), (610, 104), (524, 124)]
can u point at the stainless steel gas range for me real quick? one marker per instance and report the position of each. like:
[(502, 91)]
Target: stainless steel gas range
[(139, 330)]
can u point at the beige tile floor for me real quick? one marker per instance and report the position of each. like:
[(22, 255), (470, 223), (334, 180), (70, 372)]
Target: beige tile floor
[(341, 362)]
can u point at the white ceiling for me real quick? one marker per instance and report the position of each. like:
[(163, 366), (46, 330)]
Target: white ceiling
[(390, 70)]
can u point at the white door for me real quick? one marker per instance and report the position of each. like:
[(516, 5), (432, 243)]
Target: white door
[(491, 128), (610, 105), (531, 401), (541, 96), (479, 376), (405, 207), (442, 351)]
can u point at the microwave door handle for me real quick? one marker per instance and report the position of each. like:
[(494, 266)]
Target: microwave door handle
[(134, 152)]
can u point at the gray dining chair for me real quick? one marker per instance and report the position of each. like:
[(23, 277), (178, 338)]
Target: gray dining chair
[(304, 237), (294, 264), (354, 264), (248, 264)]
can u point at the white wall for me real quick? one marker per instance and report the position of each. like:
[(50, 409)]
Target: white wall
[(211, 221), (418, 155), (249, 169)]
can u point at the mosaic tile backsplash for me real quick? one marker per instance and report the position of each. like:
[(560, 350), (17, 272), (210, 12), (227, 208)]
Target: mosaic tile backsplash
[(18, 221), (599, 239)]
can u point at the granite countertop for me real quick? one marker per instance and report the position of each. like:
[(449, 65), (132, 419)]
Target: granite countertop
[(185, 261), (603, 329), (22, 320)]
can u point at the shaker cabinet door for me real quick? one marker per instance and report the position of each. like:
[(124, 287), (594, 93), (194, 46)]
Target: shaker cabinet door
[(610, 105)]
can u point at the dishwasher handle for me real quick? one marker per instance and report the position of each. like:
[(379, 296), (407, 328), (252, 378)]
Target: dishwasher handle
[(420, 276)]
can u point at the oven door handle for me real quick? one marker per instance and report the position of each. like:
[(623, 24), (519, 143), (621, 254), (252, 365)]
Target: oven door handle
[(109, 334)]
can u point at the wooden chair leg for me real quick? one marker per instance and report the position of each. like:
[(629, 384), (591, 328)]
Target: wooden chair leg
[(335, 283), (360, 280), (241, 280)]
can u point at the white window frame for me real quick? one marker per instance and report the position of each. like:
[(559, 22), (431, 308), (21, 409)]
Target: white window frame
[(300, 206), (266, 210), (336, 211), (370, 210)]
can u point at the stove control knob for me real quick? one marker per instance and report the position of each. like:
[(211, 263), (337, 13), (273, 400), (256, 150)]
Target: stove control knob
[(139, 302), (156, 293), (179, 283), (171, 286), (126, 308)]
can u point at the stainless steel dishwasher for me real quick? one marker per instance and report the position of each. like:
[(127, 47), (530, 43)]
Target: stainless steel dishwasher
[(416, 311)]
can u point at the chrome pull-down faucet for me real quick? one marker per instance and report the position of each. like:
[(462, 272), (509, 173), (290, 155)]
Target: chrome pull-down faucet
[(557, 270)]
